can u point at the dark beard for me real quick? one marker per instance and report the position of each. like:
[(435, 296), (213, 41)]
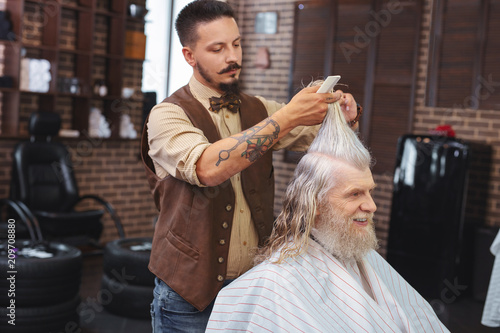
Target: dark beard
[(230, 88), (204, 74)]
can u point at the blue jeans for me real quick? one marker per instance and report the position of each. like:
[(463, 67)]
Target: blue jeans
[(171, 313)]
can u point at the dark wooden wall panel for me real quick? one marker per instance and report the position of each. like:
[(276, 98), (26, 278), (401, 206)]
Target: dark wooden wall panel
[(372, 44), (312, 22), (490, 93), (465, 44), (458, 50), (351, 55)]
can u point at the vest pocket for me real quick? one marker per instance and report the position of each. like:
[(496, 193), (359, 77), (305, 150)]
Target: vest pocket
[(182, 246)]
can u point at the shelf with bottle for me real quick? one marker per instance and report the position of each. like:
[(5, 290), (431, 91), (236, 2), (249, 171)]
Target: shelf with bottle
[(72, 36)]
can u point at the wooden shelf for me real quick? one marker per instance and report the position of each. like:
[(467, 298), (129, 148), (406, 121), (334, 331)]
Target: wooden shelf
[(136, 20), (107, 13), (8, 90), (48, 93), (76, 8), (77, 52), (94, 50), (9, 42), (39, 2), (40, 47), (134, 59)]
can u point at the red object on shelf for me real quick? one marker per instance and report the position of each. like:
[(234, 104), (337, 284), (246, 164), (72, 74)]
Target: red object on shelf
[(444, 130)]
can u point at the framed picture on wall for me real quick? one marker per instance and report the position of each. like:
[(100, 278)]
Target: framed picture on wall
[(266, 23)]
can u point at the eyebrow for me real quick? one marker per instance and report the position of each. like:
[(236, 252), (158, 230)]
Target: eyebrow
[(222, 43), (357, 188)]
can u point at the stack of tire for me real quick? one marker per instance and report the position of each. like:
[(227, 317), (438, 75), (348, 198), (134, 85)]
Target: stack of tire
[(126, 279), (39, 284)]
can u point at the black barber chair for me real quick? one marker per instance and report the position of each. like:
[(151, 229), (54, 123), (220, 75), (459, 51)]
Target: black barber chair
[(43, 179)]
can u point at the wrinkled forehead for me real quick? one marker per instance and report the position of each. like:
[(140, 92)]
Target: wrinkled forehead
[(349, 176)]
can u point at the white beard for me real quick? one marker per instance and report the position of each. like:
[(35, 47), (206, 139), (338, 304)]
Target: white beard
[(342, 237)]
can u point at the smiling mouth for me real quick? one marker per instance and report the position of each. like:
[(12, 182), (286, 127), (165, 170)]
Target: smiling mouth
[(361, 221)]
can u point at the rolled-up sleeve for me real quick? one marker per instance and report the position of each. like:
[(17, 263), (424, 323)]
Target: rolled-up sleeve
[(298, 139), (175, 144)]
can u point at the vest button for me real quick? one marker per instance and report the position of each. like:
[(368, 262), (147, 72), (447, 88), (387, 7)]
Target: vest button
[(220, 278), (222, 242), (225, 225), (228, 208), (220, 260)]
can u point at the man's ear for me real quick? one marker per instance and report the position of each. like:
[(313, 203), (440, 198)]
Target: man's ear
[(189, 56)]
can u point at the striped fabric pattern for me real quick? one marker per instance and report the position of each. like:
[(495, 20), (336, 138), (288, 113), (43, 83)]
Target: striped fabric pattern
[(315, 292), (491, 311)]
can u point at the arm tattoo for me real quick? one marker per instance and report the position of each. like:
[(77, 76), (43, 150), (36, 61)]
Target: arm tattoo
[(257, 144)]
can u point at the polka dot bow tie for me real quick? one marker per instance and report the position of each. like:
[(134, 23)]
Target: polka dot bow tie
[(230, 101)]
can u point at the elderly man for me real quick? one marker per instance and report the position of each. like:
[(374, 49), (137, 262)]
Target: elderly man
[(319, 271)]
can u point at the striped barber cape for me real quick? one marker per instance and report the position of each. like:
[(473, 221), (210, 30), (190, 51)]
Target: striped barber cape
[(315, 292)]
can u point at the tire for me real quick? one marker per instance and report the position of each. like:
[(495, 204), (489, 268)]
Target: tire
[(127, 300), (41, 280), (133, 255), (29, 293), (44, 319), (65, 259)]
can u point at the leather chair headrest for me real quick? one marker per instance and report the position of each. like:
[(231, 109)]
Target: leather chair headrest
[(44, 124)]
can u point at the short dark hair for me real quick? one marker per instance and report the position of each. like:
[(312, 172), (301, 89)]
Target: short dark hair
[(196, 12)]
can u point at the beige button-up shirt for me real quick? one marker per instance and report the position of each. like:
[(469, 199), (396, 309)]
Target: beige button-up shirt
[(175, 146)]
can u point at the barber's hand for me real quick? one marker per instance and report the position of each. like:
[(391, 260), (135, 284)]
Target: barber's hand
[(349, 108), (309, 108)]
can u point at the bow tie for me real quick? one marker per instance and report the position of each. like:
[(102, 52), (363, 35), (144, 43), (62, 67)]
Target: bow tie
[(230, 101)]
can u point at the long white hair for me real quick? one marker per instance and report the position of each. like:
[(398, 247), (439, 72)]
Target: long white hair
[(314, 176), (336, 139)]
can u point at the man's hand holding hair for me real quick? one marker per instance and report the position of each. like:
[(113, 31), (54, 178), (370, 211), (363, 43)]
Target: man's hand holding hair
[(349, 108), (307, 107)]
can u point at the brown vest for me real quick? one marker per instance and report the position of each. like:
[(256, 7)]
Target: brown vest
[(191, 239)]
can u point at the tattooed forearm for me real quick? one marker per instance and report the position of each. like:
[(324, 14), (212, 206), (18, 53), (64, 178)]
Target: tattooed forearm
[(257, 144)]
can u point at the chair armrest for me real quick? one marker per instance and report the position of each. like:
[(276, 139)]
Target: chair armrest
[(26, 217), (32, 219), (109, 208)]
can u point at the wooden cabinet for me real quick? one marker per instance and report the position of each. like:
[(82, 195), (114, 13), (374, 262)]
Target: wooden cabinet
[(84, 43)]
